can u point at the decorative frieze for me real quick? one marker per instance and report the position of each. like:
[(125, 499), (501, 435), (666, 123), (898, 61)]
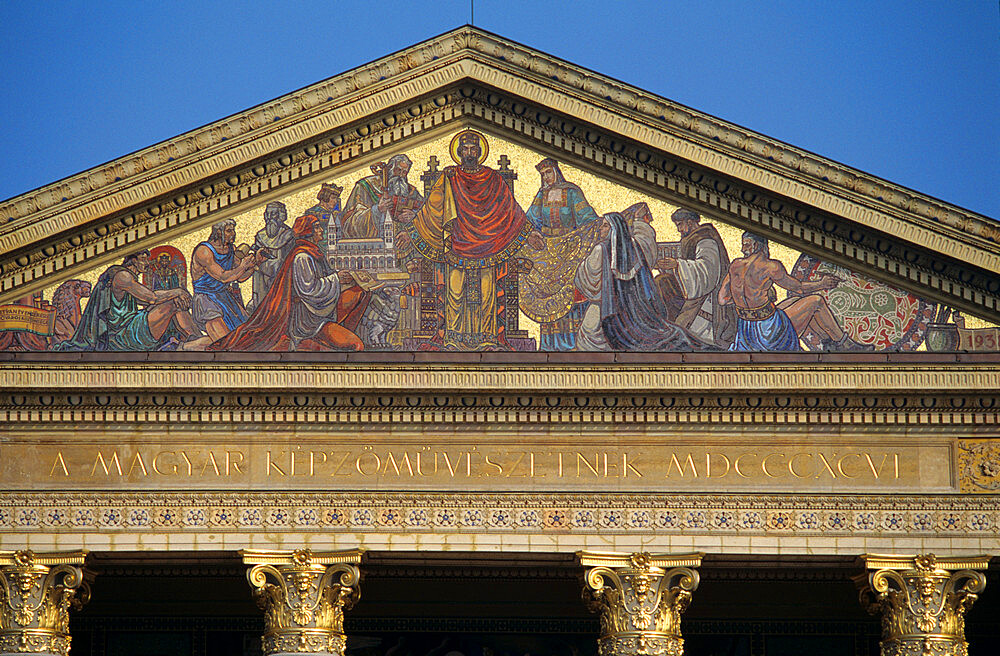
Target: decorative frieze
[(640, 598), (922, 600), (304, 595), (37, 591), (647, 514)]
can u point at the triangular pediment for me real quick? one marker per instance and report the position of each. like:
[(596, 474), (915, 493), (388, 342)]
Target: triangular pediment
[(472, 194), (898, 251)]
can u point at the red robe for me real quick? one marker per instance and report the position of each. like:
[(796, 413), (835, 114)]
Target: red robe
[(267, 327), (487, 228), (489, 219)]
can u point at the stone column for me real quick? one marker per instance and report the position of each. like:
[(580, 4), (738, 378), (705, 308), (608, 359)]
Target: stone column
[(36, 593), (304, 594), (640, 598), (922, 600)]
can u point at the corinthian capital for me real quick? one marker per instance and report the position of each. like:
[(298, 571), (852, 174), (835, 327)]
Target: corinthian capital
[(922, 600), (640, 598), (36, 593), (304, 595)]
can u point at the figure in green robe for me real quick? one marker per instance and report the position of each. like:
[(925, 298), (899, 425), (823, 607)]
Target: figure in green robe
[(114, 321)]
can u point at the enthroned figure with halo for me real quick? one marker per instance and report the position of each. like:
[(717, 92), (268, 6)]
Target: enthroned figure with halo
[(471, 224)]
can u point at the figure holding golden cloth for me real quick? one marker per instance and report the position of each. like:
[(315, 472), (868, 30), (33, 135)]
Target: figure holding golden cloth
[(569, 225)]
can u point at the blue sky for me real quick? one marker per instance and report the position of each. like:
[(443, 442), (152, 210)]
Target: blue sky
[(908, 91)]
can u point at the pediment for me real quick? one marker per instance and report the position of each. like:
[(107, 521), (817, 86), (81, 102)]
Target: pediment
[(120, 442), (907, 260)]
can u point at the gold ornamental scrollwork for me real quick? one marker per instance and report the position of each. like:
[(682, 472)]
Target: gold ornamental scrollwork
[(979, 465), (640, 598), (37, 591), (304, 595), (922, 600)]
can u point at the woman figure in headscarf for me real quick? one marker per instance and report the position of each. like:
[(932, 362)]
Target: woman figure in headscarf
[(625, 312)]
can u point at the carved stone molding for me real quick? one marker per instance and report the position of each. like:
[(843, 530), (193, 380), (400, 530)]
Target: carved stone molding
[(640, 598), (979, 466), (439, 521), (36, 593), (853, 392), (873, 415), (922, 600), (304, 595), (334, 376)]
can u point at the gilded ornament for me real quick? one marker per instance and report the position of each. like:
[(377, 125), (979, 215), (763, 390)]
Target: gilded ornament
[(922, 600), (979, 465), (640, 601), (37, 591), (304, 595)]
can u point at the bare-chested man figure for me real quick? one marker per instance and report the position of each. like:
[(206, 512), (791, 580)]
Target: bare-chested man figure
[(114, 320), (764, 326)]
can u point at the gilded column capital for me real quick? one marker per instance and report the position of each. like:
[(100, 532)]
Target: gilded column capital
[(36, 592), (304, 594), (640, 598), (922, 600)]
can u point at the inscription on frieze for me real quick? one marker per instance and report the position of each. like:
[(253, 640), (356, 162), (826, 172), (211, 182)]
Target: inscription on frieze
[(544, 465)]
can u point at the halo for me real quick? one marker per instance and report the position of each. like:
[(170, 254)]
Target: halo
[(484, 146)]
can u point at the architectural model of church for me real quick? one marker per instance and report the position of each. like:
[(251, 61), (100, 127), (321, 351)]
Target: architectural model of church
[(377, 254)]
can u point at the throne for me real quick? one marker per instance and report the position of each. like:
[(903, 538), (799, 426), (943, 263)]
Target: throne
[(423, 314)]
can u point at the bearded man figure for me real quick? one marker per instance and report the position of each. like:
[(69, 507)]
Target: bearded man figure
[(309, 307), (690, 282), (275, 241), (217, 268), (384, 195), (471, 223)]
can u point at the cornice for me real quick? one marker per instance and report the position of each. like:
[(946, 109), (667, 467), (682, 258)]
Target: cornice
[(207, 152), (470, 53), (957, 395), (473, 379), (747, 156)]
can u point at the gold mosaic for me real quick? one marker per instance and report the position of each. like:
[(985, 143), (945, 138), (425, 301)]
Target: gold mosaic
[(465, 262)]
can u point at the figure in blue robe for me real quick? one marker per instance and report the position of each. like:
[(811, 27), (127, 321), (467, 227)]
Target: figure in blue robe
[(110, 323), (625, 313), (559, 208), (213, 298)]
